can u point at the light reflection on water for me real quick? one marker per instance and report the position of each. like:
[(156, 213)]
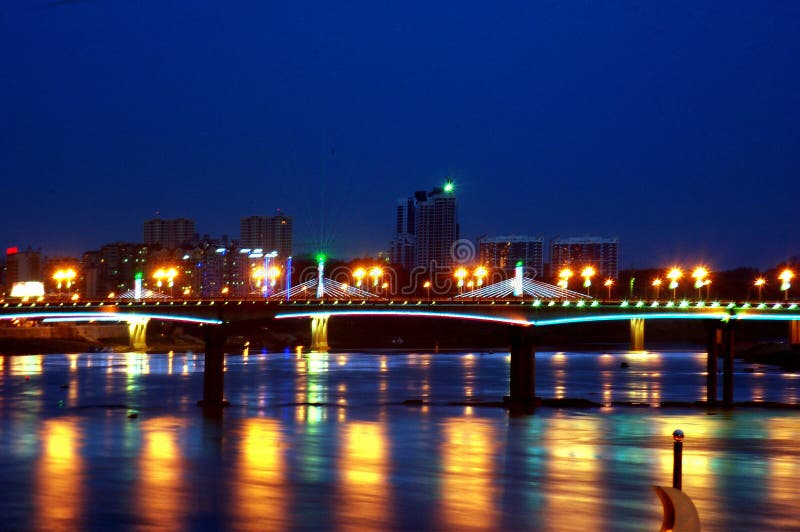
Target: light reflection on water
[(324, 441)]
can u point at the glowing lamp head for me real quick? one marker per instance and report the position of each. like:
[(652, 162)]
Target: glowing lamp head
[(565, 273), (656, 282), (460, 273), (760, 281), (609, 282), (587, 272), (449, 186), (786, 275), (674, 274)]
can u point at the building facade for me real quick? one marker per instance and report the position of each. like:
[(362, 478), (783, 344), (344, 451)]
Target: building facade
[(22, 266), (575, 253), (268, 233), (505, 252), (169, 233), (426, 229)]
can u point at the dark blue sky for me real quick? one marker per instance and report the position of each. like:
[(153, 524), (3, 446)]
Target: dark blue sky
[(672, 125)]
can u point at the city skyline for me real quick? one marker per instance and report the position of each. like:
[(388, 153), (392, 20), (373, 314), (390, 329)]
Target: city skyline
[(672, 127)]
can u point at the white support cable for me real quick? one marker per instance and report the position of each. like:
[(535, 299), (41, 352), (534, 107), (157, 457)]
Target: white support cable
[(530, 288)]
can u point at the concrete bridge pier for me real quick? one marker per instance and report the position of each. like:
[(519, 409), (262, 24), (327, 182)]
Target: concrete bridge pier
[(794, 332), (522, 373), (319, 334), (727, 364), (714, 330), (637, 334), (137, 331), (214, 371)]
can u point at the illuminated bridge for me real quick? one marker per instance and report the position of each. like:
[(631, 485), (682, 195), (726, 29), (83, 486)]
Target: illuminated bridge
[(221, 318)]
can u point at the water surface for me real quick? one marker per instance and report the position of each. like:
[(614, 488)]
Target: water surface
[(324, 442)]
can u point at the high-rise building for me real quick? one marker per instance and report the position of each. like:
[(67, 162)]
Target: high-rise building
[(169, 233), (506, 251), (426, 228), (22, 266), (270, 233), (578, 252)]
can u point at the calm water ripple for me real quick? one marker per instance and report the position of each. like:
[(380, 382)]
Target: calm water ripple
[(115, 441)]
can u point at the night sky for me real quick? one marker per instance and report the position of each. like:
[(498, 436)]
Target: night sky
[(672, 125)]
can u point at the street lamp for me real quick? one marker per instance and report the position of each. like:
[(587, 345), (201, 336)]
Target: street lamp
[(172, 273), (480, 274), (359, 276), (760, 282), (460, 274), (786, 276), (258, 276), (165, 274), (587, 273), (657, 286), (563, 279), (608, 284), (376, 273), (427, 286), (673, 275), (699, 275)]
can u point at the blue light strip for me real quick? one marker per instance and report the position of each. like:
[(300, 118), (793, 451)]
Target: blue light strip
[(619, 317), (768, 317)]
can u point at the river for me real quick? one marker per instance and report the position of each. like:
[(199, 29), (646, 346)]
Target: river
[(310, 441)]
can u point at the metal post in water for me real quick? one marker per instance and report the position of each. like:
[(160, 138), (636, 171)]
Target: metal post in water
[(677, 459)]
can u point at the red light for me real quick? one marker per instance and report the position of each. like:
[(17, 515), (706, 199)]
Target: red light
[(12, 250)]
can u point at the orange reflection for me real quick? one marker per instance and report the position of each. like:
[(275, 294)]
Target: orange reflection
[(161, 492), (261, 493), (574, 474), (467, 491), (700, 480), (364, 482), (26, 365), (59, 494)]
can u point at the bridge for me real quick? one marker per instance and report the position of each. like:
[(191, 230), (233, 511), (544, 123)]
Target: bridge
[(221, 318)]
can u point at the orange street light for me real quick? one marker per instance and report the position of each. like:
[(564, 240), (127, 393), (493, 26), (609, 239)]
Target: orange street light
[(460, 274), (359, 274), (587, 273), (786, 276), (480, 274), (608, 284), (700, 275), (376, 273), (673, 275), (760, 282), (657, 286)]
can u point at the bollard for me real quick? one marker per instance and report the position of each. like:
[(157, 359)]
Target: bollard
[(677, 459)]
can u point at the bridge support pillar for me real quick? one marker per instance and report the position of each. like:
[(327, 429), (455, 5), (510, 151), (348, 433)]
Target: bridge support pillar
[(794, 332), (137, 331), (727, 364), (319, 334), (522, 373), (214, 371), (637, 334), (714, 330)]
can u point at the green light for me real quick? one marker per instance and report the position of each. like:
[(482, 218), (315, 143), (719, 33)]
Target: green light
[(520, 264), (321, 258), (139, 275), (449, 186)]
